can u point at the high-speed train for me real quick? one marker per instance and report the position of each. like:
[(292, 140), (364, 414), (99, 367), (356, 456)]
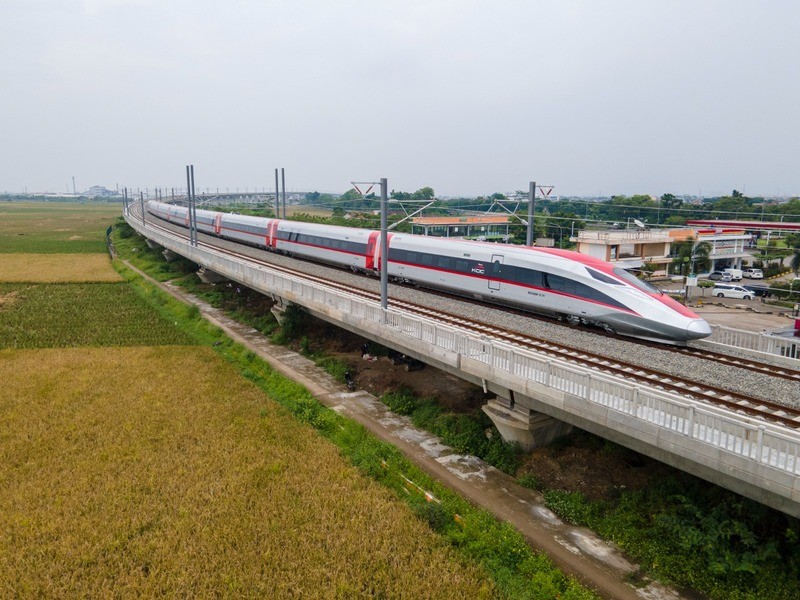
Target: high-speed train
[(560, 283)]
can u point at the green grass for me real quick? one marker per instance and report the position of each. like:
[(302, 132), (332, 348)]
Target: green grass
[(64, 315), (134, 249), (52, 227), (466, 433), (682, 530)]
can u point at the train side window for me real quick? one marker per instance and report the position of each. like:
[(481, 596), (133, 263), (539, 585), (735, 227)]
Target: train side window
[(530, 276), (462, 266), (444, 262), (603, 277), (497, 267), (590, 293), (427, 259), (560, 284), (412, 257)]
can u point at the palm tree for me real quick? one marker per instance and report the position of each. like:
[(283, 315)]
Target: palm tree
[(795, 262), (690, 253), (701, 256)]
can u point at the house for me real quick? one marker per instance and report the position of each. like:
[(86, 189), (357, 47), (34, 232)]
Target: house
[(632, 248), (485, 227)]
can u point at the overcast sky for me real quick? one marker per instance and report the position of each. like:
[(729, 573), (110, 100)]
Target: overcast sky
[(468, 97)]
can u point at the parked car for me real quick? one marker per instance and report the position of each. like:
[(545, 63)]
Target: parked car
[(718, 275), (736, 274), (722, 290), (758, 290), (753, 273)]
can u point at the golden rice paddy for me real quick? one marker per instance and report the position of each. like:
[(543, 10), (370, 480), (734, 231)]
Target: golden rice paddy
[(158, 471), (57, 268)]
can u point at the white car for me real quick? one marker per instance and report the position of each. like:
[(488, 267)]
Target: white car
[(722, 290), (753, 273)]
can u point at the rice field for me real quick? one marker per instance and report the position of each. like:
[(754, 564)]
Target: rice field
[(55, 227), (52, 315), (133, 472), (57, 268), (136, 462)]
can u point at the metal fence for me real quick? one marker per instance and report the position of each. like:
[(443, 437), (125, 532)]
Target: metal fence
[(756, 342)]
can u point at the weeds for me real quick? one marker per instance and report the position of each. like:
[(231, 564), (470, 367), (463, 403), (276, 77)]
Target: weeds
[(472, 433)]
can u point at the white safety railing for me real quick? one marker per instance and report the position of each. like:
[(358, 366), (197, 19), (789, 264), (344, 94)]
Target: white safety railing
[(731, 435), (757, 342)]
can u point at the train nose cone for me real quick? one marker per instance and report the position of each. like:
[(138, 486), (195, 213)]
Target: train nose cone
[(698, 329)]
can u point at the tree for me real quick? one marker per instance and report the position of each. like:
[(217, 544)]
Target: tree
[(732, 205), (795, 262), (793, 243), (669, 201), (425, 193), (690, 254)]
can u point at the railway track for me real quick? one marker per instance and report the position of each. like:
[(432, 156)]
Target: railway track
[(686, 387)]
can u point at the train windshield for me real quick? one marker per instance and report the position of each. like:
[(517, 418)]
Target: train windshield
[(636, 282)]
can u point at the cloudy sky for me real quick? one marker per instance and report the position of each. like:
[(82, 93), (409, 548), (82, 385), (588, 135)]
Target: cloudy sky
[(468, 97)]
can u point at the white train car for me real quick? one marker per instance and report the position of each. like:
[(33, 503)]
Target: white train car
[(562, 283), (556, 282), (349, 247), (241, 228)]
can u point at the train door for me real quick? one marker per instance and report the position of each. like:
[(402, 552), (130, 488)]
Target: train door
[(372, 243), (272, 236), (496, 272)]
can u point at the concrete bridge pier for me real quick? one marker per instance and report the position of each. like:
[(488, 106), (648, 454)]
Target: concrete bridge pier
[(279, 309), (520, 424), (169, 255), (206, 275), (152, 245)]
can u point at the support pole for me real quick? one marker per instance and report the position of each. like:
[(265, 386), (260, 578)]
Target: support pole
[(277, 197), (531, 212), (384, 245), (189, 201), (194, 210), (283, 187)]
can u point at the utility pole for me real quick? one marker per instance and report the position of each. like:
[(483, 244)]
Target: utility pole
[(283, 186), (384, 245), (192, 208), (531, 212), (277, 197), (383, 261)]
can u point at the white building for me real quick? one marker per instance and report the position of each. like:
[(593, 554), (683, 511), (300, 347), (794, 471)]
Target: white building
[(632, 248)]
